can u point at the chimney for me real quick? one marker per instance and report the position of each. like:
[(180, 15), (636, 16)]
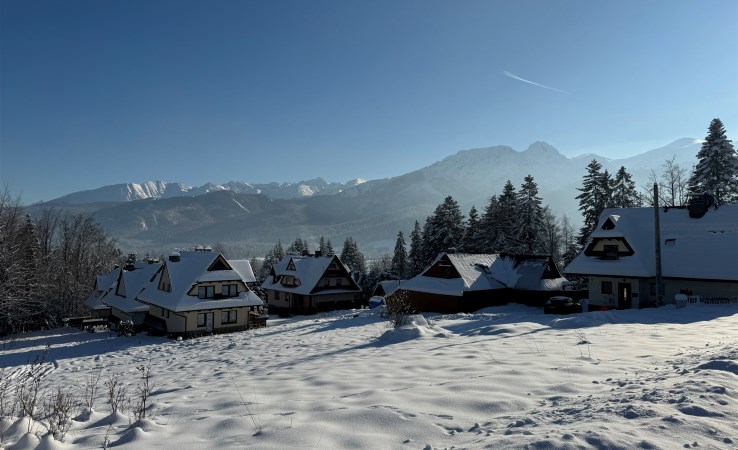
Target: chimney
[(318, 253), (174, 257)]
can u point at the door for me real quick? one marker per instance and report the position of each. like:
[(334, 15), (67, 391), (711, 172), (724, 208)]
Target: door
[(624, 296), (209, 322)]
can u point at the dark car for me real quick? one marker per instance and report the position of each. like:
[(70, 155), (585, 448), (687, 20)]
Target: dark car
[(562, 305)]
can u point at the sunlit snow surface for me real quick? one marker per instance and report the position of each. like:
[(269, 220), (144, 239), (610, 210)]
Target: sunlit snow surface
[(506, 377)]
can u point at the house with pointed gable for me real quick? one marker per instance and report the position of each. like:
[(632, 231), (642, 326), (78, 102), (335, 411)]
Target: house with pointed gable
[(122, 297), (310, 283), (200, 292), (467, 282), (698, 252), (103, 285)]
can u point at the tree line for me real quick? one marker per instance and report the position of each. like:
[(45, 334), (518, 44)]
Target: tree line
[(48, 266)]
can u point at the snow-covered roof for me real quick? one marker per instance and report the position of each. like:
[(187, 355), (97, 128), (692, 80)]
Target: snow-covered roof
[(308, 270), (533, 275), (485, 271), (129, 284), (243, 267), (474, 275), (390, 286), (103, 285), (691, 248), (191, 269)]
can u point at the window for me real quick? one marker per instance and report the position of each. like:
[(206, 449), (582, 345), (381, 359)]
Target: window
[(611, 252), (229, 290), (227, 317), (339, 282), (326, 282), (201, 320), (606, 287), (206, 291)]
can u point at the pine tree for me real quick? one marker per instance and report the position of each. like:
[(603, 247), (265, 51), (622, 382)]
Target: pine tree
[(507, 219), (415, 256), (298, 247), (717, 167), (443, 229), (352, 257), (322, 247), (472, 240), (624, 192), (400, 264), (593, 199), (530, 218), (329, 248), (489, 227), (273, 256)]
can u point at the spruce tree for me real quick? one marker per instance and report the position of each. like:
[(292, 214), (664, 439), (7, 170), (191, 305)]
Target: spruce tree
[(322, 247), (507, 220), (472, 240), (400, 264), (352, 257), (272, 257), (443, 229), (529, 218), (415, 256), (593, 199), (717, 167), (624, 192), (489, 227), (329, 248), (298, 247)]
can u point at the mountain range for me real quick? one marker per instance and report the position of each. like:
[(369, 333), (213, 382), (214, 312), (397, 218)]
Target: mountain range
[(249, 218)]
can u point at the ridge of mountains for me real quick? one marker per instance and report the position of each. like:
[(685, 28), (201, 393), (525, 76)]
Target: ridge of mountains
[(249, 218), (126, 192)]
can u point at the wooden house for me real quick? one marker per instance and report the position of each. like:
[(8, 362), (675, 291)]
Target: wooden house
[(310, 283)]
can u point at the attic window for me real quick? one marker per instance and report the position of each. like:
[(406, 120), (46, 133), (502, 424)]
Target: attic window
[(608, 225), (219, 264), (291, 265), (611, 252), (670, 242)]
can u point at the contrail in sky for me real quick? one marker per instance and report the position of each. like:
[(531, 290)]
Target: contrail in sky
[(515, 77)]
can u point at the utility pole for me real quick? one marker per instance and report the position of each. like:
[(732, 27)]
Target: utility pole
[(657, 230)]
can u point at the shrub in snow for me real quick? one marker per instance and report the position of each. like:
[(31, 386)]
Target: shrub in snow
[(60, 406), (398, 309)]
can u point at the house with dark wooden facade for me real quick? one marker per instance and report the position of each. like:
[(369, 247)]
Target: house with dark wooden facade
[(306, 284), (467, 282)]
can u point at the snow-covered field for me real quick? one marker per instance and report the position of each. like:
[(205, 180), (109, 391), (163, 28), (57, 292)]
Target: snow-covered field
[(507, 377)]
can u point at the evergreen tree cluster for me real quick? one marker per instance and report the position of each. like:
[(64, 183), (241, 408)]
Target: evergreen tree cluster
[(516, 221), (716, 172), (48, 266), (600, 191)]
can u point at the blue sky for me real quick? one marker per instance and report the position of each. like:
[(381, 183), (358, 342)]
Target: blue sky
[(102, 92)]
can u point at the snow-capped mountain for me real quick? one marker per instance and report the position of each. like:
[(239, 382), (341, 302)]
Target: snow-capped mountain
[(371, 212), (127, 192)]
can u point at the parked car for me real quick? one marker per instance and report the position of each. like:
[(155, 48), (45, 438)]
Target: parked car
[(562, 305)]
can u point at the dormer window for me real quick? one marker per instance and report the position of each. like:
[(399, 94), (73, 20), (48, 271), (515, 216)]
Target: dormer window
[(229, 290), (206, 291), (611, 252), (289, 280)]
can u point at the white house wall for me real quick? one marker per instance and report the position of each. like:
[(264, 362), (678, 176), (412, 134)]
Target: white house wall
[(641, 289)]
